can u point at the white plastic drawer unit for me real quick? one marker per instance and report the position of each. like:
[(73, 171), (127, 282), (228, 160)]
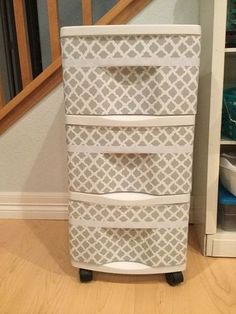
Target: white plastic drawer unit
[(131, 69), (115, 154), (130, 104)]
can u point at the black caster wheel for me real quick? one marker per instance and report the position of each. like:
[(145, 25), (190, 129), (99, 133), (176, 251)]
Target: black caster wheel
[(85, 275), (175, 278)]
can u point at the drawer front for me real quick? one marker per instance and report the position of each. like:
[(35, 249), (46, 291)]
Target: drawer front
[(105, 136), (157, 174), (114, 47), (130, 214), (156, 160), (149, 90), (153, 235), (135, 74)]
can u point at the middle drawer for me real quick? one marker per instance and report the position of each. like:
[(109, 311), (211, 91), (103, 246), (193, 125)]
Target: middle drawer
[(151, 159)]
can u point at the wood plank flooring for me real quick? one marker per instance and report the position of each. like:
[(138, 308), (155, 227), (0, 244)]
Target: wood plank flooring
[(36, 277)]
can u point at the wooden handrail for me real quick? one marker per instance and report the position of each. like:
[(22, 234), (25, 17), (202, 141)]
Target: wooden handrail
[(31, 95), (53, 22), (122, 12), (56, 65), (22, 41), (131, 10), (115, 10), (87, 12)]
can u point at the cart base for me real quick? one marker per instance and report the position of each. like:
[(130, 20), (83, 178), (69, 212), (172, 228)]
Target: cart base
[(129, 268), (174, 275)]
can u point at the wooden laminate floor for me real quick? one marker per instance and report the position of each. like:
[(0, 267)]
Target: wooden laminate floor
[(36, 277)]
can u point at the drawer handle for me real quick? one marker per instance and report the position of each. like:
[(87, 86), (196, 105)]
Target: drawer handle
[(131, 121), (127, 61), (129, 225), (129, 199), (176, 149)]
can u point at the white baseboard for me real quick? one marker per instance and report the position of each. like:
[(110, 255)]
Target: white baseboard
[(14, 205)]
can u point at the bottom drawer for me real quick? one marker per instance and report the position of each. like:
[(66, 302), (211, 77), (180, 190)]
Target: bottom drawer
[(154, 235)]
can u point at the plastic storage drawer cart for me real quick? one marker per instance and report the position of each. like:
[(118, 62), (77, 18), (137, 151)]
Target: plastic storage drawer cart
[(130, 103)]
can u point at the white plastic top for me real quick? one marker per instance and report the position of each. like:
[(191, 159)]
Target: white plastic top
[(155, 29)]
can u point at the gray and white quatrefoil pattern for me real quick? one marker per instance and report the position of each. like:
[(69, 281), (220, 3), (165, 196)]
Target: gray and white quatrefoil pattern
[(131, 90), (157, 174), (129, 136), (125, 213), (118, 46), (153, 247)]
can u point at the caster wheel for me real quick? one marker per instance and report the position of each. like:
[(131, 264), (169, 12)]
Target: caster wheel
[(173, 279), (85, 275)]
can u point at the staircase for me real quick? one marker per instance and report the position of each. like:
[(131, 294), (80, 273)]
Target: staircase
[(34, 89)]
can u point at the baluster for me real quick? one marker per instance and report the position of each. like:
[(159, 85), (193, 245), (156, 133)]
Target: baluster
[(53, 22), (22, 41), (87, 12)]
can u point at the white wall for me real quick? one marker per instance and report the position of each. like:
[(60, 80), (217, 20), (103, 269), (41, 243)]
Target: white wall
[(169, 12), (32, 152)]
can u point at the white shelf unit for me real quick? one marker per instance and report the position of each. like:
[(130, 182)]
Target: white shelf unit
[(208, 142), (230, 50), (222, 243), (227, 141)]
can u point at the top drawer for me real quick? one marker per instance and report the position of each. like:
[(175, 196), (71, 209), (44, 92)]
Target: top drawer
[(110, 72)]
